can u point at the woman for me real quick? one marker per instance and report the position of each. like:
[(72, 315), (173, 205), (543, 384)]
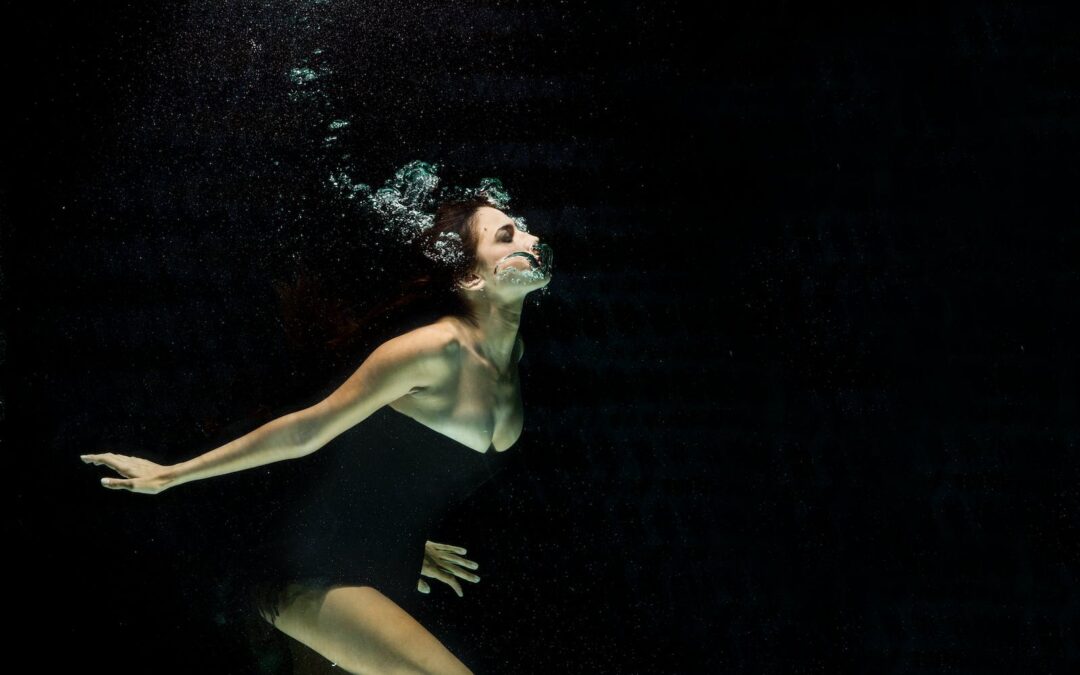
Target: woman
[(457, 377)]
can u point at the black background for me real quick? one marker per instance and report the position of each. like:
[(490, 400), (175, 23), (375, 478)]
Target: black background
[(800, 398)]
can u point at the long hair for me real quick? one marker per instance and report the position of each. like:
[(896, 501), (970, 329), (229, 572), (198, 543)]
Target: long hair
[(317, 317)]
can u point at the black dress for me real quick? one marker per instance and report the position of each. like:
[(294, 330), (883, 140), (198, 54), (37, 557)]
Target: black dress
[(360, 510)]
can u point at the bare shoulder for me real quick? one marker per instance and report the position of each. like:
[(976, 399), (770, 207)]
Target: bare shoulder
[(433, 345), (409, 362)]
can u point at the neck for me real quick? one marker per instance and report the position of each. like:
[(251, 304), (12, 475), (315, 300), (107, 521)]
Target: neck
[(497, 328)]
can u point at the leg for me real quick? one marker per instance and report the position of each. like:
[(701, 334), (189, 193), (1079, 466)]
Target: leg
[(362, 631)]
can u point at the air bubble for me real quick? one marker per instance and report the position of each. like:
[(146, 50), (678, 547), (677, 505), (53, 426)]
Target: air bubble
[(405, 204)]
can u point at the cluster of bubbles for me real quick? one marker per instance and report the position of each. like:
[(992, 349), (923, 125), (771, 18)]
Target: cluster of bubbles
[(516, 276), (404, 206), (306, 79)]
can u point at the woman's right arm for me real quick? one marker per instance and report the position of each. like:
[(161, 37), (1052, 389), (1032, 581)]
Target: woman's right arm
[(398, 366)]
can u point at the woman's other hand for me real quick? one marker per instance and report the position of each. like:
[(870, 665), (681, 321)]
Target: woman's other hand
[(140, 475), (444, 562)]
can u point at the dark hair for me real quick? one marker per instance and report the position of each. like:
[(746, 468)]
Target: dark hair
[(318, 317)]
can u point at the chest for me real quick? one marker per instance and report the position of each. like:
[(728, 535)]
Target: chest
[(473, 405)]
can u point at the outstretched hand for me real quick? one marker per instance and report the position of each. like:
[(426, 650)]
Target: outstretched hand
[(141, 475), (444, 562)]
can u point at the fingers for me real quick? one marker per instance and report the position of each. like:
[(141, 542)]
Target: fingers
[(447, 547), (451, 562), (443, 564), (450, 568), (117, 483), (119, 463), (444, 553), (449, 580), (460, 561), (458, 572)]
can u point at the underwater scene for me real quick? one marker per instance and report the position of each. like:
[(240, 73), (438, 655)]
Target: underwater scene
[(501, 337)]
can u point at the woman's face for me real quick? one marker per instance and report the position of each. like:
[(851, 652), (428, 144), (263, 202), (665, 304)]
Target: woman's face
[(510, 261)]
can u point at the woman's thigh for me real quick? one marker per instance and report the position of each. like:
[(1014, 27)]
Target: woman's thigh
[(363, 631)]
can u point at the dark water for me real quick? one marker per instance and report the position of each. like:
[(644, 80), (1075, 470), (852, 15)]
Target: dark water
[(800, 398)]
